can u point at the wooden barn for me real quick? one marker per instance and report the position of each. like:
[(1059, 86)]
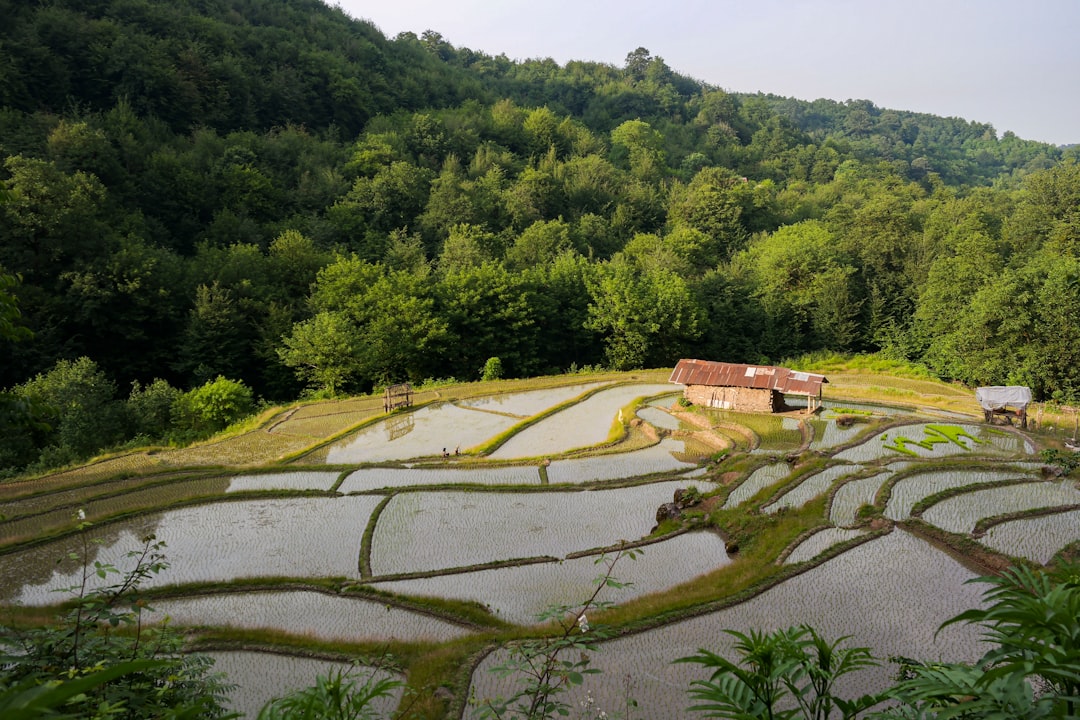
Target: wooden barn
[(752, 388)]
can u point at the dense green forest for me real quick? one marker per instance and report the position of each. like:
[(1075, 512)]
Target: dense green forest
[(210, 202)]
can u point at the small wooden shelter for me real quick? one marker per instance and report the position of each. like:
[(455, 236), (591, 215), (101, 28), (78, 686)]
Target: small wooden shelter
[(397, 396), (753, 388), (1004, 401)]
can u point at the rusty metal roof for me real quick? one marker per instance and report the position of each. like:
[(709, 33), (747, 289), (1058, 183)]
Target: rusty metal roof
[(720, 374)]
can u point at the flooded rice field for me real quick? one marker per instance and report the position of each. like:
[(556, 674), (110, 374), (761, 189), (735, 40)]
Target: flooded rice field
[(283, 481), (657, 458), (368, 479), (530, 402), (962, 439), (419, 532), (421, 433), (761, 478), (852, 495), (959, 514), (291, 537), (262, 676), (582, 425), (519, 594), (658, 418), (302, 612), (889, 594), (810, 487), (827, 434), (819, 542), (911, 489), (1035, 538)]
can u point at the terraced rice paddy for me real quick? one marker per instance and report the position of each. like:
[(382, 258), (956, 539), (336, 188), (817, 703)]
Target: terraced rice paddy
[(819, 542), (441, 537), (911, 489), (852, 495), (759, 479), (1035, 538), (530, 402), (293, 537), (283, 481), (827, 434), (306, 613), (585, 424), (658, 418), (375, 478), (810, 487), (774, 433), (99, 508), (959, 514), (660, 458), (420, 532), (987, 441), (906, 589), (420, 433), (519, 594), (262, 676)]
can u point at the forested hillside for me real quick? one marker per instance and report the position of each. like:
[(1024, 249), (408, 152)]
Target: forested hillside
[(271, 192)]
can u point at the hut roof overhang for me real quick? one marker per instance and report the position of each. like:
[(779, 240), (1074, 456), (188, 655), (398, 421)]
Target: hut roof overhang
[(763, 377)]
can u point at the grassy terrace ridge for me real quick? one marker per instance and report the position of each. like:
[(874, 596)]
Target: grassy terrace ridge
[(757, 542)]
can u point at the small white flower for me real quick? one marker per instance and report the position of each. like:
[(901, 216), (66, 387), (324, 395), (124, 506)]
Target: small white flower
[(583, 623)]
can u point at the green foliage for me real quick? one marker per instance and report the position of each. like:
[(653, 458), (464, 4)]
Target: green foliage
[(150, 408), (337, 696), (775, 671), (492, 370), (80, 410), (100, 657), (1032, 623), (1067, 461), (212, 407)]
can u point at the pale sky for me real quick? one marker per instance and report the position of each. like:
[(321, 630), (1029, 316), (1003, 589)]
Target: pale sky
[(1012, 63)]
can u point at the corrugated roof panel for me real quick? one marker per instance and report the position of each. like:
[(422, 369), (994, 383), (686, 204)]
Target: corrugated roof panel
[(718, 374)]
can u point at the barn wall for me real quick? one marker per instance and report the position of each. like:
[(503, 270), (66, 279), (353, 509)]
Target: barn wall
[(734, 398)]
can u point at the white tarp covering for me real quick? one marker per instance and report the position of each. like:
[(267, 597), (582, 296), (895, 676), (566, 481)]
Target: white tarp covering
[(995, 397)]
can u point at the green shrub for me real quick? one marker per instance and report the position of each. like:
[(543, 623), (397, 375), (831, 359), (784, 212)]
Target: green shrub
[(150, 408), (212, 407), (492, 370)]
